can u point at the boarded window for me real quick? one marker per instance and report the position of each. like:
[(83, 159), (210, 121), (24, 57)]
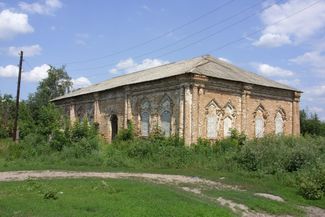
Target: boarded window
[(165, 123), (278, 123), (259, 127), (212, 126), (90, 112), (145, 124), (145, 116), (227, 125)]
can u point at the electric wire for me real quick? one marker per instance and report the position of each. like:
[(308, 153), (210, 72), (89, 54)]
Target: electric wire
[(190, 35), (155, 38), (241, 38)]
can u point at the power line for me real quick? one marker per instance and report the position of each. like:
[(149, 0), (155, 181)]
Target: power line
[(28, 65), (249, 34), (194, 33), (241, 38), (261, 29), (155, 38)]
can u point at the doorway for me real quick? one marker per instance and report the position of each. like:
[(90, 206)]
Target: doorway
[(114, 126)]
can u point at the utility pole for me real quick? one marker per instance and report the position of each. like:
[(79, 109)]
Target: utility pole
[(15, 135)]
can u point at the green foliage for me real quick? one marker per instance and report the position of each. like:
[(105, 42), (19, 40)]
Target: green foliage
[(56, 84), (7, 109), (58, 140), (157, 133), (126, 134), (310, 124), (49, 120), (311, 183), (274, 154), (240, 138)]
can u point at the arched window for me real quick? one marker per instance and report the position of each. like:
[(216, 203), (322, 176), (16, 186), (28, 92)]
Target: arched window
[(227, 126), (259, 127), (212, 126), (165, 115), (145, 117), (145, 123), (165, 123), (90, 112), (279, 123), (80, 113), (260, 115), (230, 115), (212, 119)]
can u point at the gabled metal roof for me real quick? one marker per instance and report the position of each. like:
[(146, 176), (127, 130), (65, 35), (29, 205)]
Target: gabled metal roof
[(204, 65)]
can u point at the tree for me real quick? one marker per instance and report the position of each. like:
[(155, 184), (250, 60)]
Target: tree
[(310, 124), (7, 106), (56, 84)]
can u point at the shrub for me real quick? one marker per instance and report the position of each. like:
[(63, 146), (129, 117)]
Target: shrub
[(248, 159), (126, 134), (239, 137), (59, 140), (311, 183), (295, 160)]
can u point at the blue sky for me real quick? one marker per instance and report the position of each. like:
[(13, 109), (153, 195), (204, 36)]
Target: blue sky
[(97, 40)]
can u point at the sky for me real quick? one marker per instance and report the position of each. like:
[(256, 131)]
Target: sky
[(96, 40)]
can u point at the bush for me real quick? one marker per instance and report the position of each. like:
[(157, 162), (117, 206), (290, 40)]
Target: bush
[(126, 134), (59, 140), (311, 183), (296, 160), (248, 159)]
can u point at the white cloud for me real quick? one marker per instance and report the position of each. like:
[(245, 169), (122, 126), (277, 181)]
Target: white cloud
[(297, 28), (47, 7), (314, 97), (271, 71), (29, 51), (318, 91), (291, 82), (272, 40), (80, 82), (9, 71), (36, 74), (129, 65), (12, 24), (314, 59), (224, 59)]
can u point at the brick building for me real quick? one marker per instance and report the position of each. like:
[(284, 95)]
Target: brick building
[(201, 97)]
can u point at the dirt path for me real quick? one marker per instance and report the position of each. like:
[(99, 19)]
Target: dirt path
[(158, 178), (196, 183)]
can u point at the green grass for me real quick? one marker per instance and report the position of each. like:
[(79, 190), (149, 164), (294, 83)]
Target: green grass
[(165, 159), (99, 197), (258, 204)]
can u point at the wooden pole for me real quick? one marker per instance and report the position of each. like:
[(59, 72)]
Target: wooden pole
[(15, 135)]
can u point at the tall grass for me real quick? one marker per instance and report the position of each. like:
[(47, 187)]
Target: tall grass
[(298, 161)]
